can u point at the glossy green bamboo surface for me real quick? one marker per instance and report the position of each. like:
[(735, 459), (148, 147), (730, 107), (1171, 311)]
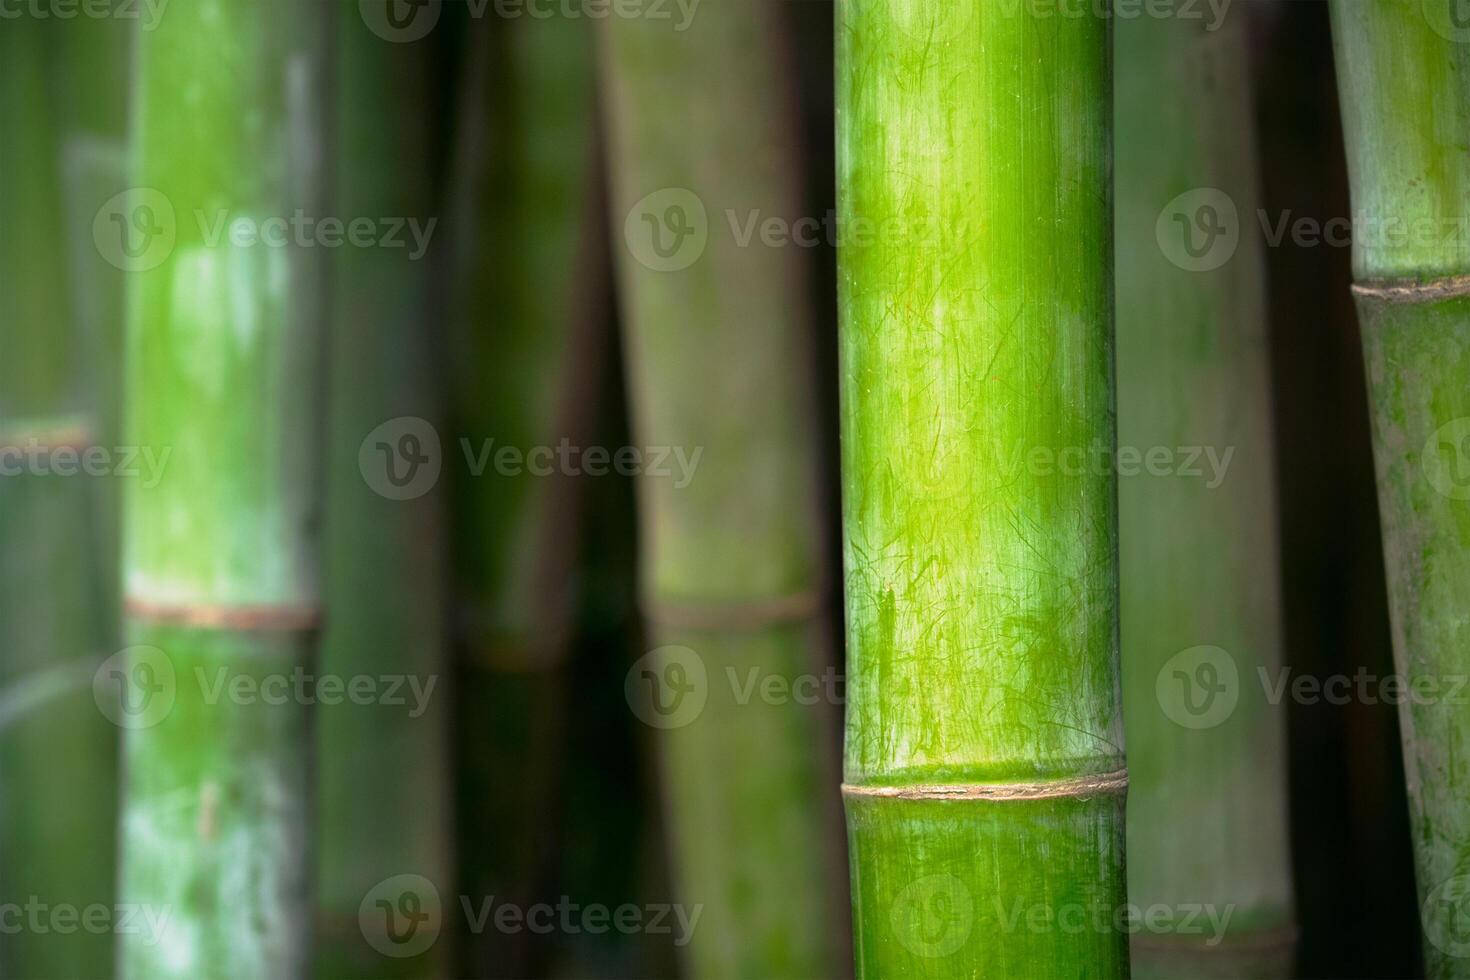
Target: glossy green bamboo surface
[(716, 333), (975, 281), (1201, 611), (383, 770), (57, 752), (220, 552), (528, 288), (1404, 75)]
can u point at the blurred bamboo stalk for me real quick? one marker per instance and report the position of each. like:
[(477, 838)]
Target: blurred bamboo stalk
[(220, 564), (1404, 77), (57, 752), (528, 314), (1207, 820), (984, 759), (383, 773), (717, 334)]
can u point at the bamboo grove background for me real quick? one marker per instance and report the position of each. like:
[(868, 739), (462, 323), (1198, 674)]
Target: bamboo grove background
[(474, 581)]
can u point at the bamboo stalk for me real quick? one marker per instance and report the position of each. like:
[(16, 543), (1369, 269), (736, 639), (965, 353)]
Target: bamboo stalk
[(57, 753), (984, 740), (384, 767), (94, 86), (717, 336), (1207, 820), (1404, 77), (529, 288), (219, 554)]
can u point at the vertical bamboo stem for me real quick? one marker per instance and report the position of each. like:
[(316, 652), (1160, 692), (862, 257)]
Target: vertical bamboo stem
[(529, 288), (717, 335), (384, 768), (984, 758), (1200, 583), (219, 553), (1404, 76), (57, 753)]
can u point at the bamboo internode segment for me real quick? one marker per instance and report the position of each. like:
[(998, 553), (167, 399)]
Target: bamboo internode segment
[(1079, 786), (745, 614), (1412, 290), (238, 618), (1198, 564)]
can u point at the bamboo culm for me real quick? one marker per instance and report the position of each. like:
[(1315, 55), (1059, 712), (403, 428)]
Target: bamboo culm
[(223, 360), (383, 817), (1200, 584), (1404, 79), (984, 745), (717, 339), (528, 284), (57, 751)]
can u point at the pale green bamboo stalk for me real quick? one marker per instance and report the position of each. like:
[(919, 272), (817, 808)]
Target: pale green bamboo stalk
[(1201, 608), (384, 766), (1404, 76), (528, 288), (57, 753), (220, 550), (717, 334), (984, 766)]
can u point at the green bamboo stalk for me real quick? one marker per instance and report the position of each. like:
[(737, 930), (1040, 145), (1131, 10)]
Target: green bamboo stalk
[(57, 753), (219, 553), (95, 79), (717, 334), (984, 762), (528, 284), (1404, 78), (1200, 581), (383, 770)]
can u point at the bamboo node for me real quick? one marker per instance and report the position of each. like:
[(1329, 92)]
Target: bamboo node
[(242, 618), (47, 436), (1413, 290), (1097, 784)]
